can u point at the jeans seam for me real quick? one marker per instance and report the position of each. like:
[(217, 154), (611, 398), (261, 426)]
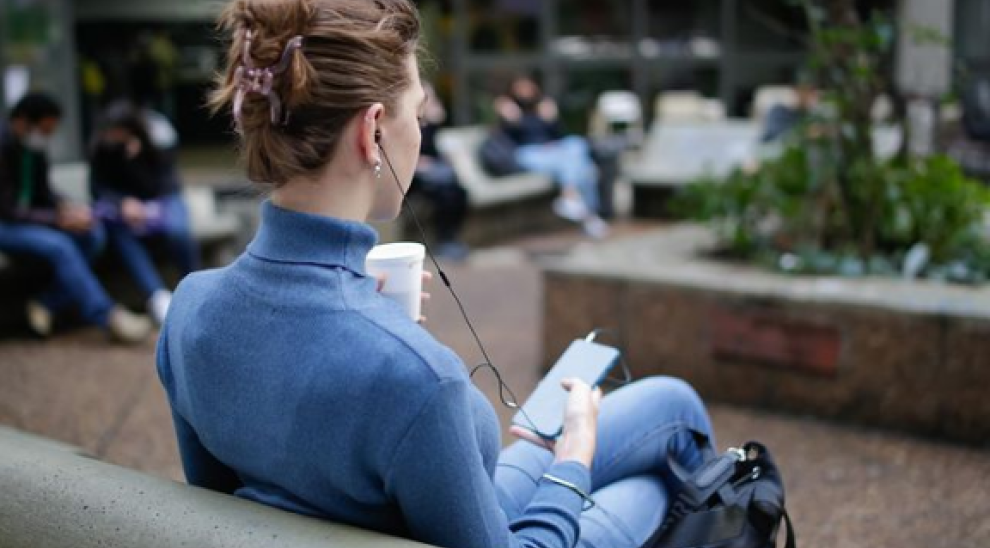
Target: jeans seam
[(632, 447), (614, 522), (520, 469)]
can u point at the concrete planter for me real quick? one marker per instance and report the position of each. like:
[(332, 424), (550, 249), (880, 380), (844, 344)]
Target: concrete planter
[(912, 356)]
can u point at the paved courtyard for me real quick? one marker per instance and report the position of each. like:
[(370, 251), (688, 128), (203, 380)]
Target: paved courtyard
[(847, 487)]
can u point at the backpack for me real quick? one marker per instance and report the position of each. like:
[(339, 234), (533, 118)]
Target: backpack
[(733, 500)]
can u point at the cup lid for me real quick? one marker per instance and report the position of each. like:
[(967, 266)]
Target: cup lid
[(397, 251)]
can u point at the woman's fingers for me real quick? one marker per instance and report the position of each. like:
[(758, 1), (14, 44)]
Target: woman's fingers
[(531, 437)]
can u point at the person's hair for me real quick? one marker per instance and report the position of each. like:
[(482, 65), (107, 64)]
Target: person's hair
[(35, 107), (127, 116), (353, 54)]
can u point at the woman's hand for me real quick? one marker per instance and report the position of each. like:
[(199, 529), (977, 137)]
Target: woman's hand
[(424, 297), (74, 218), (133, 212), (580, 435), (547, 110), (508, 110)]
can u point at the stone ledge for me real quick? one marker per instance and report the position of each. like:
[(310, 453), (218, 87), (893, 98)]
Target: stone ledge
[(889, 353), (673, 255), (51, 496)]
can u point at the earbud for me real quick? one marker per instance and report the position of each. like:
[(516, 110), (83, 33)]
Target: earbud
[(378, 136)]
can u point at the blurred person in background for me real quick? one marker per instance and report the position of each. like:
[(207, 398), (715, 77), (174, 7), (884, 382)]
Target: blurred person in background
[(36, 222), (137, 177), (436, 180), (782, 119), (531, 120)]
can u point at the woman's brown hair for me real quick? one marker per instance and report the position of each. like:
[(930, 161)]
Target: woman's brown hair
[(353, 55)]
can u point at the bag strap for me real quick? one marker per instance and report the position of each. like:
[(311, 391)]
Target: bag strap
[(791, 542), (704, 445)]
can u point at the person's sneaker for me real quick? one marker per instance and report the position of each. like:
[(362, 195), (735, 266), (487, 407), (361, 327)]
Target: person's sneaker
[(595, 227), (127, 327), (571, 209), (39, 318), (158, 305)]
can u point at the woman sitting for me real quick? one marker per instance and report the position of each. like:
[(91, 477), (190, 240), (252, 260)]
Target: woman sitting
[(294, 383)]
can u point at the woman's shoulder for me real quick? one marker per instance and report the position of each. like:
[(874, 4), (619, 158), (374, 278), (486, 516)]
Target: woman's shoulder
[(413, 352)]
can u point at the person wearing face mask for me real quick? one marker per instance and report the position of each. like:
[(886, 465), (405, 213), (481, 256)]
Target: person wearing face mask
[(531, 120), (36, 222)]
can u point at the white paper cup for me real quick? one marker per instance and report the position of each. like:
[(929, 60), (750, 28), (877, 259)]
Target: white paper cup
[(401, 264)]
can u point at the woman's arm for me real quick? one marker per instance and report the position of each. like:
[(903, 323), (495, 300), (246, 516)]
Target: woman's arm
[(447, 497), (202, 469)]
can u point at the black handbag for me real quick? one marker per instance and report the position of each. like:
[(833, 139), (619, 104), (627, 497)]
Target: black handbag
[(733, 500)]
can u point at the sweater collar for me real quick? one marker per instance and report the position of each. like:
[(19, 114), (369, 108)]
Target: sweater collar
[(295, 237)]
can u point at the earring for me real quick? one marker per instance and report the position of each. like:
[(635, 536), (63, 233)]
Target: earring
[(378, 169)]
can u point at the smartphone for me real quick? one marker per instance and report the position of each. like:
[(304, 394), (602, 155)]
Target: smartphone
[(543, 412)]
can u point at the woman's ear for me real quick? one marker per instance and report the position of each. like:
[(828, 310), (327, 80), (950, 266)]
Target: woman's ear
[(370, 133)]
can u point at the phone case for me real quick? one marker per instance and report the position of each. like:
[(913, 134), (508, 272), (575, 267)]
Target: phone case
[(543, 412)]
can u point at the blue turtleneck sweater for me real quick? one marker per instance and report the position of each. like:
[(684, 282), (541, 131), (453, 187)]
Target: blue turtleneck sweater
[(295, 384)]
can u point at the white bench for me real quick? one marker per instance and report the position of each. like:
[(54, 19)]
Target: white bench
[(500, 207), (678, 153), (460, 147)]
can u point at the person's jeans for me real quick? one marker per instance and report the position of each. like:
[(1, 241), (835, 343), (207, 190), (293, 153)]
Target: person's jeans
[(68, 255), (173, 229), (437, 181), (637, 426), (568, 161)]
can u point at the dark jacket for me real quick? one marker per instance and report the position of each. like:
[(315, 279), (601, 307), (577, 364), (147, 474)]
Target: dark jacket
[(148, 176), (530, 129), (25, 192)]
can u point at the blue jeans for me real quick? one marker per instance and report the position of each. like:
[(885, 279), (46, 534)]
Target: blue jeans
[(568, 161), (69, 256), (173, 229), (630, 477)]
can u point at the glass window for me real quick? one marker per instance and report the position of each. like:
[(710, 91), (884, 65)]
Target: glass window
[(504, 25), (582, 88), (683, 29), (594, 29)]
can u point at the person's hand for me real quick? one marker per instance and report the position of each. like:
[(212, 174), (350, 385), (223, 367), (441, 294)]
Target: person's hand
[(132, 148), (133, 212), (508, 110), (75, 218), (580, 434), (547, 110), (424, 297)]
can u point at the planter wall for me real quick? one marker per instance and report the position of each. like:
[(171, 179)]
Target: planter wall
[(908, 356)]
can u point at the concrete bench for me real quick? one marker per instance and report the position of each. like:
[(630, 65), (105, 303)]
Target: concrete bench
[(54, 496), (678, 153), (500, 207)]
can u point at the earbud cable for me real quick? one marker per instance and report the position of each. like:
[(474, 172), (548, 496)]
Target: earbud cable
[(503, 388)]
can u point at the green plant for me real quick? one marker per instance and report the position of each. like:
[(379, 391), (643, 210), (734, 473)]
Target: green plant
[(826, 203)]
